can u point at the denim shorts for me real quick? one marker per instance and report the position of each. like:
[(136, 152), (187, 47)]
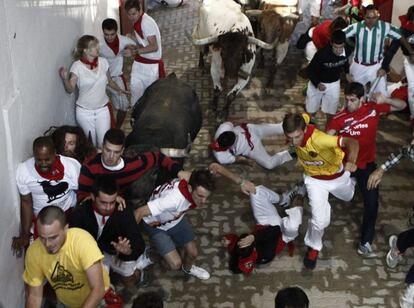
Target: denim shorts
[(167, 241)]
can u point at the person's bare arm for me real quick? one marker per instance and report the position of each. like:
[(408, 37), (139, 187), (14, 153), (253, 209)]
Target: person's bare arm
[(396, 104), (34, 296), (112, 84), (246, 186), (141, 212), (69, 79), (352, 147), (151, 47), (26, 216), (94, 275)]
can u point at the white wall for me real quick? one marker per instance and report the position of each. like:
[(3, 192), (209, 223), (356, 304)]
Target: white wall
[(399, 8), (36, 38)]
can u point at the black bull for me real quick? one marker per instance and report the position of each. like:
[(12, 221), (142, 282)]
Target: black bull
[(168, 115)]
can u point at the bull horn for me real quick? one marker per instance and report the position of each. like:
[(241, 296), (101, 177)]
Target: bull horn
[(261, 44), (253, 13), (292, 16), (204, 41)]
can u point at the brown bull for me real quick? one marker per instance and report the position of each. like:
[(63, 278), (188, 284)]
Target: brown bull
[(273, 27)]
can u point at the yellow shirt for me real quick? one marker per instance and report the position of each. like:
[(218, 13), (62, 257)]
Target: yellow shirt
[(65, 270), (320, 153)]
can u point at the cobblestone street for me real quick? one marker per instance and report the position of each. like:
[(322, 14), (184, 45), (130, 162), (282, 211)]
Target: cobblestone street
[(341, 278)]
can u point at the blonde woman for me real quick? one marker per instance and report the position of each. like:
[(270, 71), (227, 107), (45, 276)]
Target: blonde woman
[(89, 73)]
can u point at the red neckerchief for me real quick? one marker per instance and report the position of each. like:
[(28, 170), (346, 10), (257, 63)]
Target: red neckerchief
[(406, 24), (56, 173), (183, 187), (92, 64), (247, 135), (137, 27), (104, 220), (216, 147), (247, 265), (309, 130), (114, 45)]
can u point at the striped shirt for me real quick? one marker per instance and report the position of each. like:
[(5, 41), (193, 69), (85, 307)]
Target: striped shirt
[(393, 159), (369, 43), (133, 169)]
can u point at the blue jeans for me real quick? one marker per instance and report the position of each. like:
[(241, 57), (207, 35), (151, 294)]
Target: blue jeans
[(370, 198)]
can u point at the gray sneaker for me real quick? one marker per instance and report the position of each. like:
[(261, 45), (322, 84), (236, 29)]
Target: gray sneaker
[(393, 256), (366, 251), (288, 196)]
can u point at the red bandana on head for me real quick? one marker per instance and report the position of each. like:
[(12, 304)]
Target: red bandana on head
[(104, 218), (247, 265), (92, 64), (137, 27), (56, 172), (114, 45), (216, 147), (406, 24), (183, 187)]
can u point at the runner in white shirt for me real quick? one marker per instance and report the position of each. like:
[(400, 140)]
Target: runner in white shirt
[(113, 48), (237, 143), (43, 180), (148, 65), (164, 220), (90, 73)]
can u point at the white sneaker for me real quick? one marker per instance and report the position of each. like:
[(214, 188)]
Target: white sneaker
[(144, 260), (288, 196), (198, 272), (393, 256)]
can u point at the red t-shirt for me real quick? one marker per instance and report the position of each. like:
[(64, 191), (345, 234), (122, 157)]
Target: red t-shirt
[(362, 126), (321, 34)]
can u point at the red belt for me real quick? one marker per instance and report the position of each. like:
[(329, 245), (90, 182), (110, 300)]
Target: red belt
[(329, 177), (161, 69), (366, 64)]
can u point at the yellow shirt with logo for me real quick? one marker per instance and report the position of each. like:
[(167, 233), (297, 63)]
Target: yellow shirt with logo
[(65, 270), (321, 153)]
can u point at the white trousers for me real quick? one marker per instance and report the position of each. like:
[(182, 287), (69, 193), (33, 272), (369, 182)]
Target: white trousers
[(318, 192), (328, 98), (123, 268), (142, 76), (119, 100), (265, 213), (368, 73), (259, 153), (94, 122), (409, 73)]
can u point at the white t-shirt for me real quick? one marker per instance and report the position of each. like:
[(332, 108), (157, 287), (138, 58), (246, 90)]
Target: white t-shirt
[(45, 192), (167, 205), (240, 146), (115, 61), (149, 28), (91, 84)]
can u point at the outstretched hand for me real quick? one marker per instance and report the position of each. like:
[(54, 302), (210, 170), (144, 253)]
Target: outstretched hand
[(122, 246), (375, 178)]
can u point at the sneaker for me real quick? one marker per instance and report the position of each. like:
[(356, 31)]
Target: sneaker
[(310, 259), (393, 256), (198, 272), (366, 251), (144, 260), (407, 299), (288, 196)]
